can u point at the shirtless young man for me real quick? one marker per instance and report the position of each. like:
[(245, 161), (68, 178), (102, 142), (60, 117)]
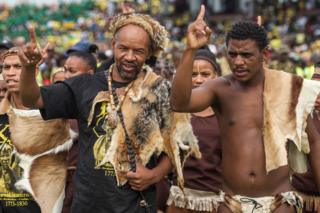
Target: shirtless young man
[(238, 102)]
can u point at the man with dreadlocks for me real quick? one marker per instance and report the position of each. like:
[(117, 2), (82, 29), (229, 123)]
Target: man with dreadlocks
[(263, 116), (127, 132)]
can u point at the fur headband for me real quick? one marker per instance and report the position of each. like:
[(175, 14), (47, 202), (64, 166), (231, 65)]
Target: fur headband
[(157, 33), (12, 51)]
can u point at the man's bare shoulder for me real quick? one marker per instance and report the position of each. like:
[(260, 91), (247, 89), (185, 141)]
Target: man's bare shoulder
[(221, 81), (226, 80)]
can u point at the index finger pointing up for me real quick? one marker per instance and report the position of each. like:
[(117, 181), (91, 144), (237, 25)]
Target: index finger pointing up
[(201, 13), (32, 35), (259, 20)]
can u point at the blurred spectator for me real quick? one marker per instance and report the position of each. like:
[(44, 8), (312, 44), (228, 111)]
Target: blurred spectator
[(79, 63), (83, 46), (57, 75), (19, 41), (49, 63), (5, 45), (282, 60), (101, 58), (306, 66)]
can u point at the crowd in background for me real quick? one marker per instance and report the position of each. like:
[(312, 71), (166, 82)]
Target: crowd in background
[(293, 27)]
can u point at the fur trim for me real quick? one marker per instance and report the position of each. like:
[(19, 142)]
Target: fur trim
[(194, 200), (310, 202)]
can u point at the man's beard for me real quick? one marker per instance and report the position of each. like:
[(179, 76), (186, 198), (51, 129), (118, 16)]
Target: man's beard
[(126, 75)]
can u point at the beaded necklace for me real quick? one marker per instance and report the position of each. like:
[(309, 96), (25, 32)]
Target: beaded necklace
[(112, 118)]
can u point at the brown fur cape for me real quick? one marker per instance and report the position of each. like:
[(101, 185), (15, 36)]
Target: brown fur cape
[(288, 100), (151, 124)]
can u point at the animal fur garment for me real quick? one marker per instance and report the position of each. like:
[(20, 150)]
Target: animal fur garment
[(288, 100), (158, 33), (42, 148), (151, 125)]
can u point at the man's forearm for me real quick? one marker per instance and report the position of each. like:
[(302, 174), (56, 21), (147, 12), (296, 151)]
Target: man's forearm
[(29, 89), (182, 82), (162, 169), (315, 164), (314, 156)]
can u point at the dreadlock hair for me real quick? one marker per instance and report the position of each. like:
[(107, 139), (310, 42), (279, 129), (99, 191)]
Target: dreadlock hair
[(248, 30)]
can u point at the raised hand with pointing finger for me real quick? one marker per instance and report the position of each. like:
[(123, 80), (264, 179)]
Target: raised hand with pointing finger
[(126, 8), (31, 54), (198, 32)]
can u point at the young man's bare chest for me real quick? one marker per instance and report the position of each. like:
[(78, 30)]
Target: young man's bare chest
[(241, 123), (240, 106)]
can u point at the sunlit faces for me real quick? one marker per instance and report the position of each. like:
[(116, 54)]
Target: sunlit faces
[(75, 66), (202, 71), (245, 58), (11, 71), (131, 47)]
